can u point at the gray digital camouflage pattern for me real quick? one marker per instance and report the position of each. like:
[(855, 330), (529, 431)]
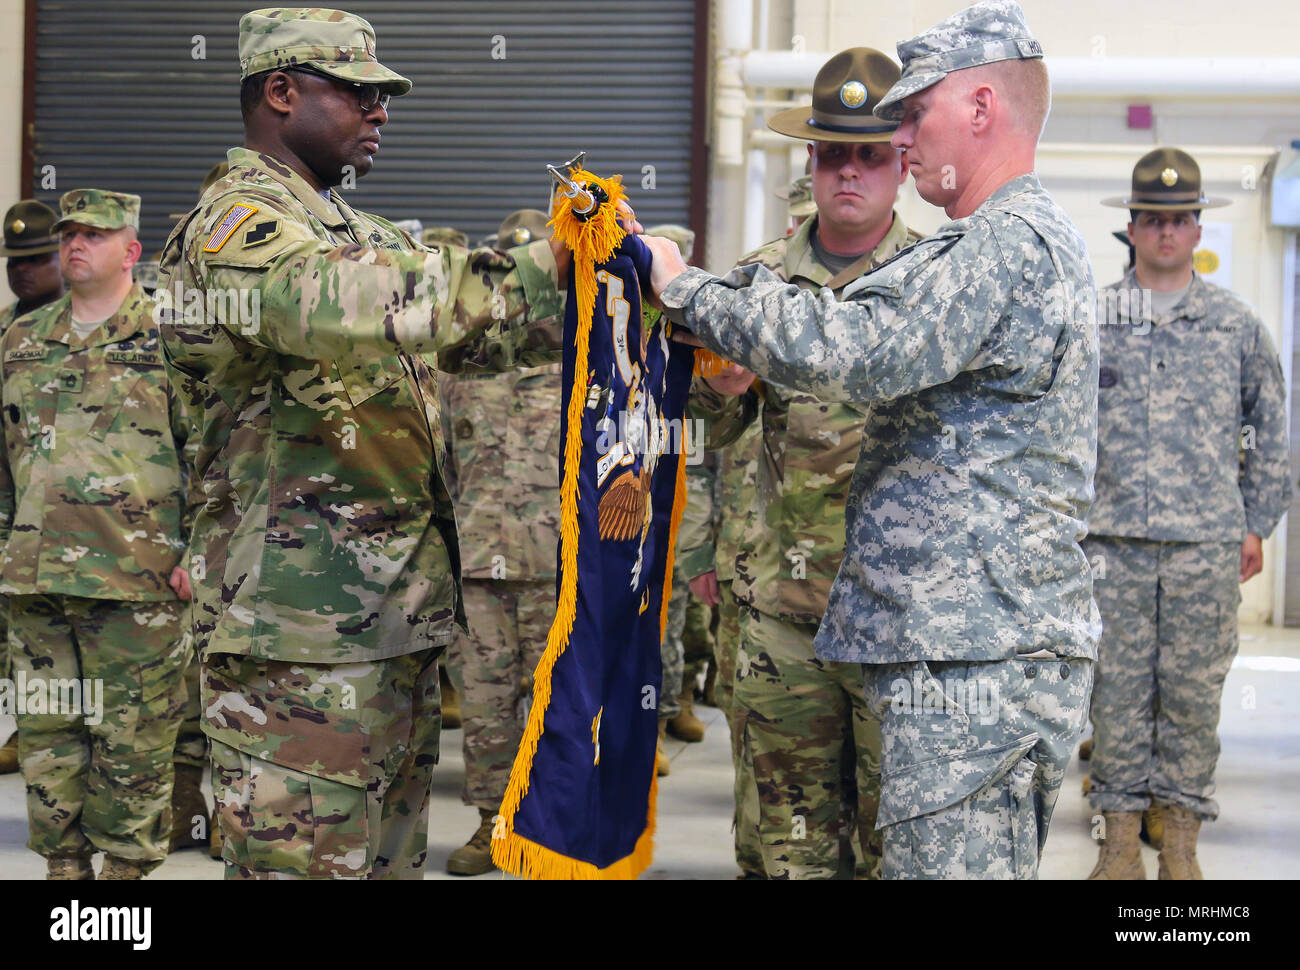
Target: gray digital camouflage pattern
[(1191, 455), (962, 542), (1181, 397)]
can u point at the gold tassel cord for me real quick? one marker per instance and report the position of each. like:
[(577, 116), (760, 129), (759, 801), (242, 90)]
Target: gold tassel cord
[(591, 243), (707, 363)]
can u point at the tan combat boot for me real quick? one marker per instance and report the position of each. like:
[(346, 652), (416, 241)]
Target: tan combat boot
[(69, 867), (1153, 827), (1178, 855), (1121, 852), (711, 684), (187, 806), (214, 837), (117, 868), (686, 726), (475, 857), (450, 702), (1085, 750), (9, 755), (662, 767)]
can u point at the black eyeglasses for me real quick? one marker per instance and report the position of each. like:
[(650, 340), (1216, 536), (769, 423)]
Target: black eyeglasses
[(368, 95)]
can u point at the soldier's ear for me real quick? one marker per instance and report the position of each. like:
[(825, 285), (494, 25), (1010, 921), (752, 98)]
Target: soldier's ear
[(279, 92)]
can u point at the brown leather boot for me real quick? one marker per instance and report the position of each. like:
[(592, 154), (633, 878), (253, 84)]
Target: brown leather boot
[(475, 857), (188, 809), (9, 755), (662, 766), (69, 867), (1178, 855), (117, 868), (1121, 852), (686, 726)]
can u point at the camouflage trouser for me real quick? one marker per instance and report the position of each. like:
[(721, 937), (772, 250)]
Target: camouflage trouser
[(749, 851), (687, 644), (99, 779), (1169, 615), (801, 720), (508, 624), (974, 755), (191, 743), (322, 770)]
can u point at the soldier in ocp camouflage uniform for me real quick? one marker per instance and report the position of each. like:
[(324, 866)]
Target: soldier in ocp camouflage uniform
[(1189, 380), (963, 589), (326, 559), (805, 724), (32, 266), (503, 458), (93, 521)]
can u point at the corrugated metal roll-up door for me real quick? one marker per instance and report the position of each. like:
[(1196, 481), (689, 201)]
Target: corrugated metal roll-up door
[(143, 96)]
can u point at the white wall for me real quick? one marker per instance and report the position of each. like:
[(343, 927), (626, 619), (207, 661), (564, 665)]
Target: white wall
[(11, 108), (1088, 150)]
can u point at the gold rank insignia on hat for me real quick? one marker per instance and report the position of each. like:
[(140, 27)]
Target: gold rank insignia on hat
[(853, 94), (1169, 176), (17, 226)]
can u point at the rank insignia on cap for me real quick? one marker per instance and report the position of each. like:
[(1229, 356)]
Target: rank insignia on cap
[(521, 236), (853, 94), (232, 220), (17, 225), (1169, 176), (261, 232)]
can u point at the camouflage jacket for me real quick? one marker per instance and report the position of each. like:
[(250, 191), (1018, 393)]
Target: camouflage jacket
[(328, 534), (977, 354), (7, 317), (504, 460), (793, 541), (1181, 396), (93, 495)]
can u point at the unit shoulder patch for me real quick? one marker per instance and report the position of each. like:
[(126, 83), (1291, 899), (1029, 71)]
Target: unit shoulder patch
[(260, 232)]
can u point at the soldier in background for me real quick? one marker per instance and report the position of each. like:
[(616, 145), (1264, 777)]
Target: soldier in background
[(331, 566), (806, 726), (799, 201), (93, 519), (503, 462), (443, 236), (32, 264), (1189, 382)]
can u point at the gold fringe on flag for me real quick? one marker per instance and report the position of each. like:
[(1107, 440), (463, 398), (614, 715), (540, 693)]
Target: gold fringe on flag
[(707, 363), (591, 243)]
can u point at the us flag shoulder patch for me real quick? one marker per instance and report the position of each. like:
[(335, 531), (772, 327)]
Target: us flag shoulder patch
[(232, 220)]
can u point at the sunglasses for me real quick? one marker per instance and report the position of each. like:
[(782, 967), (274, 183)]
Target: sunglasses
[(835, 154), (368, 95)]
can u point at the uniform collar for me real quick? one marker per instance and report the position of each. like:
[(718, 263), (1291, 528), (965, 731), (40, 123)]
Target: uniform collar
[(1192, 306), (330, 213), (801, 258), (125, 322)]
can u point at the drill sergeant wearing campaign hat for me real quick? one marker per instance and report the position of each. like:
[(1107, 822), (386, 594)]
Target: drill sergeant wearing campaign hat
[(330, 576), (94, 515), (964, 592), (1189, 380), (32, 265), (811, 742)]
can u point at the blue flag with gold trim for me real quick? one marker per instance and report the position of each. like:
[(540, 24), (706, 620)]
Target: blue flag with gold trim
[(580, 803)]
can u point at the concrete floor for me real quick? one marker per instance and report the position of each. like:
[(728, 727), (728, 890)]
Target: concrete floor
[(1256, 837)]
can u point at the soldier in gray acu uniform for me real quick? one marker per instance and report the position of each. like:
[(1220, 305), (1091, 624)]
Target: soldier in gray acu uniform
[(963, 588), (1189, 381)]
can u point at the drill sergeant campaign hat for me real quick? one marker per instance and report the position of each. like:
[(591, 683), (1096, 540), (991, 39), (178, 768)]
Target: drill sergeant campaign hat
[(1166, 180), (99, 209), (846, 89), (332, 42), (522, 227), (984, 33), (29, 229)]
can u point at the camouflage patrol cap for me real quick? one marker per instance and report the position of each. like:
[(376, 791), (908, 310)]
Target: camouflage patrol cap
[(799, 196), (522, 227), (99, 208), (994, 30), (685, 238), (29, 229), (443, 236), (338, 43)]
